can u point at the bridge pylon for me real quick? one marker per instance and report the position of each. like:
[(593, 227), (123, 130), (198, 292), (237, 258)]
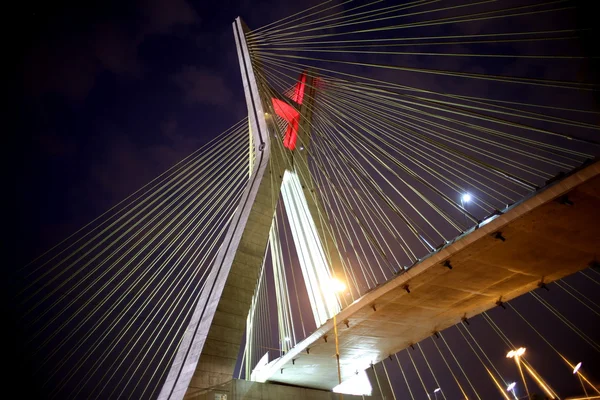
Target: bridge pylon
[(208, 352)]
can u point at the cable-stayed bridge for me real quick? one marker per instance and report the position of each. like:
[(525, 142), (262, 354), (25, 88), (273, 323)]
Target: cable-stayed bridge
[(400, 172), (476, 272)]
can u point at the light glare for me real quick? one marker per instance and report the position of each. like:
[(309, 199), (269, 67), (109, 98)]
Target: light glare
[(511, 386), (358, 385), (466, 197), (516, 353), (337, 285), (576, 368)]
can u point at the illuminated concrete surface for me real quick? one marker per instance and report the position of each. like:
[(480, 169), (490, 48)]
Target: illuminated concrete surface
[(208, 350), (544, 240), (211, 343), (241, 389)]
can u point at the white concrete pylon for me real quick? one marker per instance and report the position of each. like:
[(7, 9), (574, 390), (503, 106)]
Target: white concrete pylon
[(313, 261)]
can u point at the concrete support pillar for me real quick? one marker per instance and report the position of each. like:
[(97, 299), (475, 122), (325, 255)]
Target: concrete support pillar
[(210, 346), (217, 324)]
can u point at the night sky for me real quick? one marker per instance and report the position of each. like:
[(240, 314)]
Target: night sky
[(110, 95)]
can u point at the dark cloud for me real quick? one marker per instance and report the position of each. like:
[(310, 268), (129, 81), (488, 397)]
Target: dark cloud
[(116, 51), (127, 166), (61, 69), (162, 17), (70, 63), (202, 86)]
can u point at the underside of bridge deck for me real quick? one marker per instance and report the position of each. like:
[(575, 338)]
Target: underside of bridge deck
[(545, 238)]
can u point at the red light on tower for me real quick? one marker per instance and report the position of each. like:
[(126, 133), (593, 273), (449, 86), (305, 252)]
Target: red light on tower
[(290, 114)]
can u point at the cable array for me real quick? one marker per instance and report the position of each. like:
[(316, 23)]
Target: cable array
[(392, 154), (106, 308), (416, 105), (443, 367)]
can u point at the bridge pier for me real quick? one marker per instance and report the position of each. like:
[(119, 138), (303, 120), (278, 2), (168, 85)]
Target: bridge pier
[(219, 354)]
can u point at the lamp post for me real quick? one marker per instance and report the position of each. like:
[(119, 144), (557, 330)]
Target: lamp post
[(435, 392), (584, 380), (465, 198), (576, 372), (516, 354), (511, 388)]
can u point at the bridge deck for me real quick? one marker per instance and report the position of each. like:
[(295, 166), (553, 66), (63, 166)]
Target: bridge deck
[(544, 240)]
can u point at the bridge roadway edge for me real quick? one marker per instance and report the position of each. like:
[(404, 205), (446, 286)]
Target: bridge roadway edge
[(282, 369)]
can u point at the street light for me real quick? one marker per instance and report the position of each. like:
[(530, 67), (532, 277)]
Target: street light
[(511, 388), (465, 198), (435, 392), (516, 353), (576, 372)]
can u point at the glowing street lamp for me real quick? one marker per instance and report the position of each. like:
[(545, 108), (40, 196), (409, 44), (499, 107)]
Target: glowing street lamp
[(435, 392), (511, 388), (576, 372), (516, 353), (465, 198)]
